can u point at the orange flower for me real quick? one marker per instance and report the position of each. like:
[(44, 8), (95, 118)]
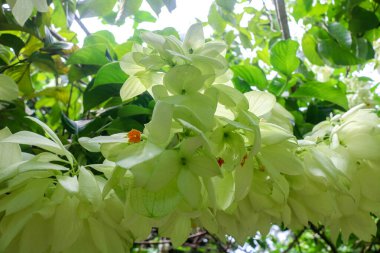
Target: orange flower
[(134, 136)]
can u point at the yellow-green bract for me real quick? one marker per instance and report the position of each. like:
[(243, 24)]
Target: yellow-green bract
[(210, 157)]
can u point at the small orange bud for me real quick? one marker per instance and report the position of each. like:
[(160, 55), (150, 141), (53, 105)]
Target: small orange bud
[(134, 136), (220, 161)]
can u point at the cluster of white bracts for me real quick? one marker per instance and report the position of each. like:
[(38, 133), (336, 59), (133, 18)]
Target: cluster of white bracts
[(210, 157)]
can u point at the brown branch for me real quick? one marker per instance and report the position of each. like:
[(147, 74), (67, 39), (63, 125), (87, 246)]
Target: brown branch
[(323, 236), (295, 241), (80, 23), (282, 18), (164, 241), (56, 35)]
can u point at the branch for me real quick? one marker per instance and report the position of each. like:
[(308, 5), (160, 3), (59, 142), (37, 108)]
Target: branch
[(323, 236), (80, 23), (294, 242), (282, 18), (56, 35)]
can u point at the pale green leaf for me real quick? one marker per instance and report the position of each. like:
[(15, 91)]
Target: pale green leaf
[(194, 38), (190, 186), (158, 129), (88, 187), (138, 153), (8, 89), (10, 153), (260, 103), (183, 79), (70, 184), (166, 167), (154, 204), (29, 138)]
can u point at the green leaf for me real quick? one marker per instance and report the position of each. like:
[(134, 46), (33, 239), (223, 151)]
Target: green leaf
[(362, 20), (228, 5), (341, 34), (8, 89), (283, 57), (215, 20), (32, 192), (156, 5), (94, 97), (12, 41), (331, 51), (133, 110), (330, 91), (9, 153), (144, 16), (253, 75), (130, 7), (59, 16), (94, 8), (21, 75), (29, 138), (109, 74), (170, 4), (90, 55), (310, 46)]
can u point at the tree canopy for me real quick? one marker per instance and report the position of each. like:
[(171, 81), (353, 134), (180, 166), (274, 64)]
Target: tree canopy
[(273, 120)]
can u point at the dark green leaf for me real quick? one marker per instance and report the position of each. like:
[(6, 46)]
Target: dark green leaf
[(331, 91), (94, 97), (110, 73), (12, 41), (362, 20), (340, 34), (333, 53), (70, 125), (133, 110), (21, 75)]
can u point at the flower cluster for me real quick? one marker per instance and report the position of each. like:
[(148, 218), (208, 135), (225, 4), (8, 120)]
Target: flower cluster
[(210, 157)]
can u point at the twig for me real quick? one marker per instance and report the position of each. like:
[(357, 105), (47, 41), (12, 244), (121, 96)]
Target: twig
[(294, 242), (282, 18), (323, 236), (56, 35), (80, 23), (164, 241)]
